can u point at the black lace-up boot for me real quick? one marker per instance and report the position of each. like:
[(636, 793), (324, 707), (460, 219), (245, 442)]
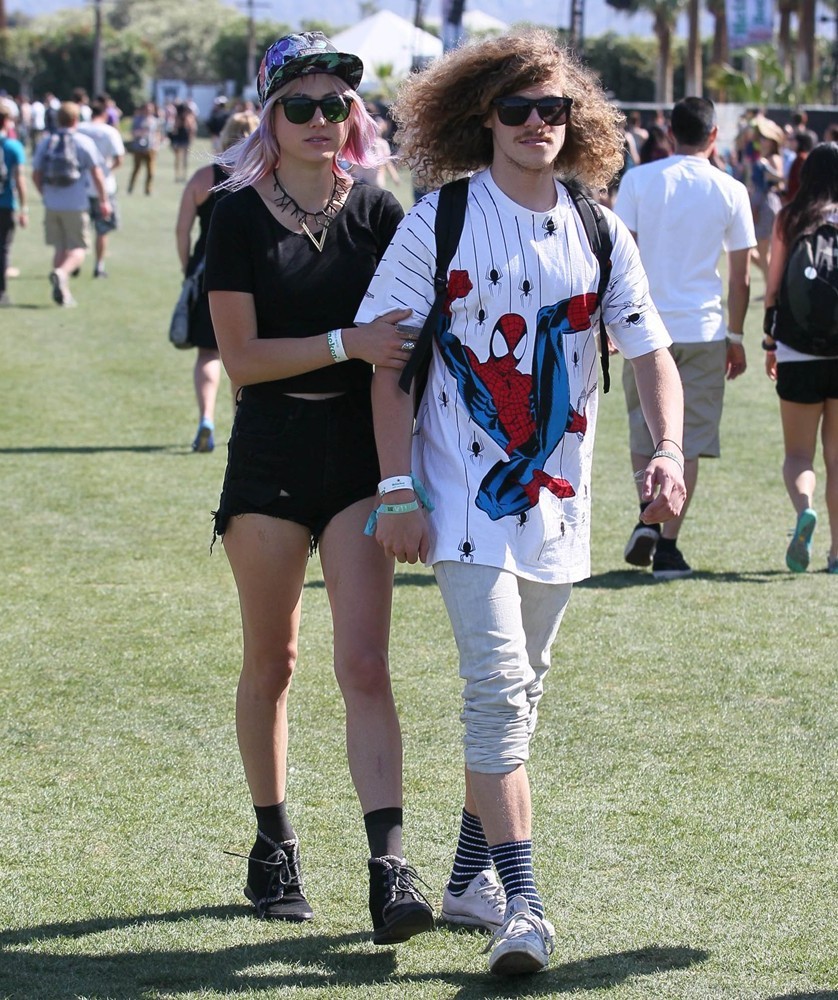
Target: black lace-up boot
[(398, 908), (274, 883)]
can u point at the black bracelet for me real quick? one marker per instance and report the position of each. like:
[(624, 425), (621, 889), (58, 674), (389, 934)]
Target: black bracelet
[(769, 347), (659, 445)]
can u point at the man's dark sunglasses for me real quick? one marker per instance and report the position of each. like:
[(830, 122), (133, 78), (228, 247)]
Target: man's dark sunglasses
[(516, 110), (299, 110)]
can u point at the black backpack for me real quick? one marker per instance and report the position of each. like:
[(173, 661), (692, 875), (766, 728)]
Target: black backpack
[(60, 162), (448, 227), (807, 306)]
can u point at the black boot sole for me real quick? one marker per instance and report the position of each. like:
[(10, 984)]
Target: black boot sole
[(294, 910), (413, 921)]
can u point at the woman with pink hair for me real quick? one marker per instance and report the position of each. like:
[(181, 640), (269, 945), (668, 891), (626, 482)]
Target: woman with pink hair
[(290, 253)]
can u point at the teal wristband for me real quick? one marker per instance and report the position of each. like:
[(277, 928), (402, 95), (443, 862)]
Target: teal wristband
[(389, 508)]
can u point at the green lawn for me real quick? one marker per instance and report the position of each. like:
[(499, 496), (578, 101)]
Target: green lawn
[(684, 770)]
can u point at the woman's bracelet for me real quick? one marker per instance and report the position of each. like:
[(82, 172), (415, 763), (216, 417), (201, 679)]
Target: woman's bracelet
[(334, 338), (663, 453), (395, 483), (769, 347), (389, 508)]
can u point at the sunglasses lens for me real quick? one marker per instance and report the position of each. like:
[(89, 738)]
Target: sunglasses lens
[(299, 110), (335, 109), (553, 112), (513, 111)]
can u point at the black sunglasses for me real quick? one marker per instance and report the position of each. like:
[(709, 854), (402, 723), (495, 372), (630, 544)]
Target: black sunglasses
[(299, 110), (516, 110)]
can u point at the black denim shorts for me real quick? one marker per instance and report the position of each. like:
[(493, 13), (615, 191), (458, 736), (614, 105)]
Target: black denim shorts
[(808, 381), (301, 460)]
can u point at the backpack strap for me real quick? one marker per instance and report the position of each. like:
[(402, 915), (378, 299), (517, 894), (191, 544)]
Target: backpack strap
[(448, 227), (599, 237)]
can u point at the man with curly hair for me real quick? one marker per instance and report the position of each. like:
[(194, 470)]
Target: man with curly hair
[(503, 436)]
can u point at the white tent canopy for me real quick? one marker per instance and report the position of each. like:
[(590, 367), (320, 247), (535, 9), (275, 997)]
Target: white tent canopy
[(475, 22), (387, 39)]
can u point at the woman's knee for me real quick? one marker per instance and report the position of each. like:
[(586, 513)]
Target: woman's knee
[(364, 672), (268, 676)]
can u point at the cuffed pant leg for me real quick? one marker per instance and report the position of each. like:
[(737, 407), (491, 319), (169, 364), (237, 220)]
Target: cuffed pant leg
[(503, 627)]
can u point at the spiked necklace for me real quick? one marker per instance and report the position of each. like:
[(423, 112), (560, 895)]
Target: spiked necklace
[(321, 219)]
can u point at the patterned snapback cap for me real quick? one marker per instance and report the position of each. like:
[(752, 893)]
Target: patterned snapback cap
[(300, 55)]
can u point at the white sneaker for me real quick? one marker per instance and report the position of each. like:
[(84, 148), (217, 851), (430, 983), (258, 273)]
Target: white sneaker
[(481, 905), (523, 944)]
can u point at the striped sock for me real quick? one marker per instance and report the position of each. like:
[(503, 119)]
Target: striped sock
[(472, 855), (514, 864)]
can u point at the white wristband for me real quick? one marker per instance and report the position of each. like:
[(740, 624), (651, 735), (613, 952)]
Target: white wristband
[(734, 338), (395, 483), (334, 338)]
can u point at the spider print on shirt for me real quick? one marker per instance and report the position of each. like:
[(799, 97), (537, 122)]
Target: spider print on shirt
[(525, 414)]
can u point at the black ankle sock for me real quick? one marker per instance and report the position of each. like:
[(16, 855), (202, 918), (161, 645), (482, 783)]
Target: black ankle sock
[(274, 823), (667, 544), (384, 832)]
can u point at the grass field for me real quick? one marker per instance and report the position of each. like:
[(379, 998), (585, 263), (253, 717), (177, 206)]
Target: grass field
[(684, 770)]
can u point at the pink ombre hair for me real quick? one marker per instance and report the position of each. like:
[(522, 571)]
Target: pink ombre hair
[(255, 156)]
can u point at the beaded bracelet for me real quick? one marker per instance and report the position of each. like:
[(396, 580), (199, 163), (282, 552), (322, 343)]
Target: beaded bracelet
[(334, 338), (662, 453)]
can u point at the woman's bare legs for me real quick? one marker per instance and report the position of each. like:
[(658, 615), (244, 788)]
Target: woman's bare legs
[(359, 582), (268, 558), (800, 433)]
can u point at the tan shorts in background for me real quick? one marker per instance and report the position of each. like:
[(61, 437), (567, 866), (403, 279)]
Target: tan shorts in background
[(702, 370), (67, 230)]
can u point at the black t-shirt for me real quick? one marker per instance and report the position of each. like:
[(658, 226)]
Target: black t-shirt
[(299, 291)]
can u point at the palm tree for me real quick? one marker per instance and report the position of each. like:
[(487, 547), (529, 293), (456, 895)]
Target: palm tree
[(664, 15)]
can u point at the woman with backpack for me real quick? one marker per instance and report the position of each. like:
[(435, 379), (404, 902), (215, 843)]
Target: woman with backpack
[(806, 374)]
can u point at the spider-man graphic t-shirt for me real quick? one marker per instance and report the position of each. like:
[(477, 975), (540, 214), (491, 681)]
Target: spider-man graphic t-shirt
[(504, 433)]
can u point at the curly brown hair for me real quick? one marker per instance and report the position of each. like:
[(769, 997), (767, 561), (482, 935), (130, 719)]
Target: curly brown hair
[(441, 111)]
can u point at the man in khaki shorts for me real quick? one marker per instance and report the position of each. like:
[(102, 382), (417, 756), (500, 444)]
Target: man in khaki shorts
[(61, 166), (684, 212)]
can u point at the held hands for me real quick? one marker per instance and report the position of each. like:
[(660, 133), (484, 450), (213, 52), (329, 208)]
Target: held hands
[(403, 536), (380, 343)]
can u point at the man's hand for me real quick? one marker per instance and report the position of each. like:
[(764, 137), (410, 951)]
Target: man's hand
[(663, 485), (735, 364)]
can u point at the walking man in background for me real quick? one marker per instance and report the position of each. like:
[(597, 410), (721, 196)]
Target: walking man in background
[(112, 150), (62, 164), (684, 212)]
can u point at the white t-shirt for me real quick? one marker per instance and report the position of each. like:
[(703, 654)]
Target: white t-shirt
[(504, 434), (685, 212), (109, 143)]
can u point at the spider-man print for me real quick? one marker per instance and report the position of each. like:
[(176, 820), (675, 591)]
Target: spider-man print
[(526, 415)]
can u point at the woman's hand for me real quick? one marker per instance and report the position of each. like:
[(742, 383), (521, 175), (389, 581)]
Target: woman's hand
[(380, 343), (771, 365)]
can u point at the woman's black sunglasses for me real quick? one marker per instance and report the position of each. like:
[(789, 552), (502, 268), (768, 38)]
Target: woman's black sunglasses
[(299, 110), (516, 110)]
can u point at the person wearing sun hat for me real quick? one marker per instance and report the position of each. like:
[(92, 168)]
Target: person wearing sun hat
[(290, 252)]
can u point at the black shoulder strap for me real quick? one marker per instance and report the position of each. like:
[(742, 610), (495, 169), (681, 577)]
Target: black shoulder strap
[(448, 227), (596, 229)]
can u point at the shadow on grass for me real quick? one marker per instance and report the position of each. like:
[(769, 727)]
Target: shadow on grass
[(816, 995), (312, 961), (620, 579), (400, 580)]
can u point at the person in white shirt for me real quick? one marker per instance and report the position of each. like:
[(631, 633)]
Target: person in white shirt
[(503, 438), (684, 212), (109, 143)]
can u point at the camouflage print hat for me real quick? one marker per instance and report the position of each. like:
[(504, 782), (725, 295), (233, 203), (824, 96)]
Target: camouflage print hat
[(299, 55)]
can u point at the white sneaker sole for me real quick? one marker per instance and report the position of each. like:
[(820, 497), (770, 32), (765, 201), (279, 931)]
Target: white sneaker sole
[(516, 961)]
